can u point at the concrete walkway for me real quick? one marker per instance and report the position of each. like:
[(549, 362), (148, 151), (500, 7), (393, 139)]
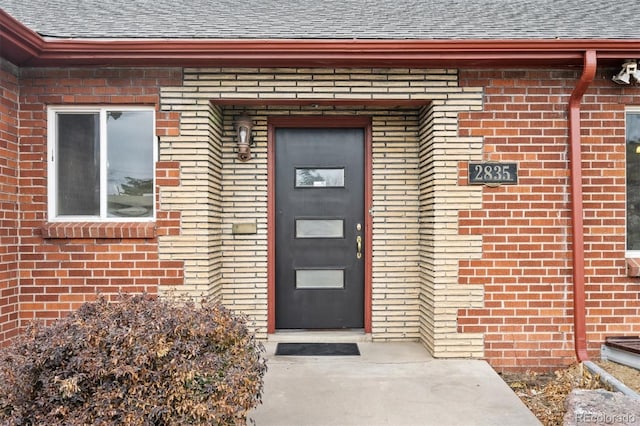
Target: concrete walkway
[(389, 384)]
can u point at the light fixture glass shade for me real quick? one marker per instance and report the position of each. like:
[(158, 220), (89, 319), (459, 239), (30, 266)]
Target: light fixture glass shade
[(242, 133), (243, 125)]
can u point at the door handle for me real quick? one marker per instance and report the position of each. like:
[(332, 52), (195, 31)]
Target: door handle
[(359, 245)]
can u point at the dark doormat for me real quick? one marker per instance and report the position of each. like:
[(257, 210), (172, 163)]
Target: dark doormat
[(317, 349)]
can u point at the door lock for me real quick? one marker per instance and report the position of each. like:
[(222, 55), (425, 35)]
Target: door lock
[(359, 245)]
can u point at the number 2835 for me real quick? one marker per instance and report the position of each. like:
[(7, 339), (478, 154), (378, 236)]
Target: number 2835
[(493, 173)]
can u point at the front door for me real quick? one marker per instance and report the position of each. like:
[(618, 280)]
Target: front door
[(319, 188)]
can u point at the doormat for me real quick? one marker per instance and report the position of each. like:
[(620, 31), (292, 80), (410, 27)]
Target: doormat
[(317, 349)]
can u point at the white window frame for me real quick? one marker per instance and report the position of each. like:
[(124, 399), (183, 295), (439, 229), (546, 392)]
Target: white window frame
[(52, 183), (629, 253)]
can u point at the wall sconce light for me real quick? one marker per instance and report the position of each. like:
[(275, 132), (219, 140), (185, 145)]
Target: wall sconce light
[(243, 125), (629, 69)]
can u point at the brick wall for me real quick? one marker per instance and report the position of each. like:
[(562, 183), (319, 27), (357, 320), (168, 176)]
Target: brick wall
[(396, 280), (61, 264), (441, 245), (8, 200), (470, 271), (525, 267), (243, 284), (197, 200)]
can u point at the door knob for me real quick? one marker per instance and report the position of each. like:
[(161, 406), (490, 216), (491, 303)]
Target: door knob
[(359, 245)]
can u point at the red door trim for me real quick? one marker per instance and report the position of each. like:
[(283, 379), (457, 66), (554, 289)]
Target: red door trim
[(327, 122)]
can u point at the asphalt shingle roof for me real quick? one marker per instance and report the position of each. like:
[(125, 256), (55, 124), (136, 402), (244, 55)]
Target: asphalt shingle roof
[(328, 19)]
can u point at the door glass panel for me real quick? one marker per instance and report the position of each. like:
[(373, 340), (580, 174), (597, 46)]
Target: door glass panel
[(319, 228), (319, 178), (319, 278)]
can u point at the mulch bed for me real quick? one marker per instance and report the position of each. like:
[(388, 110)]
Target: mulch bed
[(545, 393)]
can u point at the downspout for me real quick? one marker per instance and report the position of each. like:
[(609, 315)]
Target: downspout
[(579, 309)]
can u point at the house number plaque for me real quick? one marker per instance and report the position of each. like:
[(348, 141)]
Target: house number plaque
[(493, 173)]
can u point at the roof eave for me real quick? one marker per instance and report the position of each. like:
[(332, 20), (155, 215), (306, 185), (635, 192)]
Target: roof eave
[(24, 47), (313, 53), (18, 44)]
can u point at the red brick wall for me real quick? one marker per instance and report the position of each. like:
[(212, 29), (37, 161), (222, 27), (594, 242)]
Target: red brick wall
[(8, 201), (526, 263), (63, 265), (526, 228)]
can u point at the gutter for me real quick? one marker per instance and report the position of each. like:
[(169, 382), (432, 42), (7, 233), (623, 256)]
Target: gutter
[(579, 309), (18, 43), (322, 53)]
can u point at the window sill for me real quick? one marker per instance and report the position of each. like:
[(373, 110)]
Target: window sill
[(129, 230), (633, 267)]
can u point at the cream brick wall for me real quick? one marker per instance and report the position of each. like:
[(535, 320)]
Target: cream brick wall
[(198, 198), (415, 199), (395, 314), (244, 195), (440, 245)]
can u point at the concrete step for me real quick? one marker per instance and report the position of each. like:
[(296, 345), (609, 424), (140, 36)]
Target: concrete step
[(319, 336)]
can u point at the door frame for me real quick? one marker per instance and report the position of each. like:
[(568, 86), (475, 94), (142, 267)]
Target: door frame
[(324, 121)]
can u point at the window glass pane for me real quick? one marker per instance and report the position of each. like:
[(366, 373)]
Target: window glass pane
[(130, 164), (633, 181), (78, 164), (319, 178), (319, 278), (319, 228)]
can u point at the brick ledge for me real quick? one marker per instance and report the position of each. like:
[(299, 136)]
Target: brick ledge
[(633, 267), (99, 230)]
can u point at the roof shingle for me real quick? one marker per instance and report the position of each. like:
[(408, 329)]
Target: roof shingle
[(327, 19)]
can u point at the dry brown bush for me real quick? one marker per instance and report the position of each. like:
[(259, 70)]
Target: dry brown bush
[(140, 361)]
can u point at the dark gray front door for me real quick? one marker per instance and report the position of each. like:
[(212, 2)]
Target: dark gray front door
[(319, 228)]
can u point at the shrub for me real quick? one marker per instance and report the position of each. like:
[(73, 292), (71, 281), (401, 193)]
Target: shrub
[(141, 361)]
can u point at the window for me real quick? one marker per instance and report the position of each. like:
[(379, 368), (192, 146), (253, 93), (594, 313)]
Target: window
[(319, 228), (633, 182), (319, 278), (101, 164), (319, 178)]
